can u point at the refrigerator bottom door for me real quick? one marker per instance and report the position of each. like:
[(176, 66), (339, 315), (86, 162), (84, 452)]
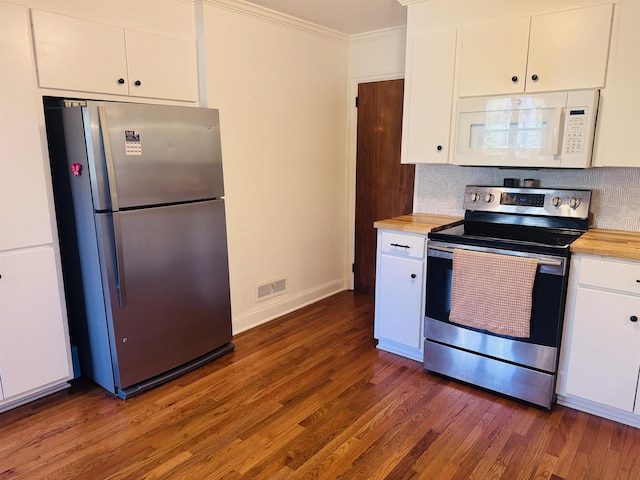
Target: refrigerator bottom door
[(173, 263)]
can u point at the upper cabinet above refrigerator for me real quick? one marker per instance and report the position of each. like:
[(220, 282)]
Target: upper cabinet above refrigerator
[(85, 56), (565, 50)]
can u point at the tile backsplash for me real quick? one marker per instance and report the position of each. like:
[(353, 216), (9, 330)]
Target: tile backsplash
[(615, 200)]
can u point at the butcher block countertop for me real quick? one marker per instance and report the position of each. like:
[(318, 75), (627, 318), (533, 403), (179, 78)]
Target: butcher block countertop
[(418, 222), (609, 243)]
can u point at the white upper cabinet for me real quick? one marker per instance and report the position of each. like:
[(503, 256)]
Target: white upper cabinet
[(428, 97), (161, 67), (82, 55), (565, 50), (617, 144), (494, 57)]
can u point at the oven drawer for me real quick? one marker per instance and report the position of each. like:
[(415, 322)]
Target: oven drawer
[(610, 275), (401, 244)]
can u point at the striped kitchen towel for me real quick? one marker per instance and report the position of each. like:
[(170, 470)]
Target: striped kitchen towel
[(493, 292)]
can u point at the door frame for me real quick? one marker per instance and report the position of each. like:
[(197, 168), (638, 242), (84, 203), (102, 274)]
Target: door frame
[(351, 168)]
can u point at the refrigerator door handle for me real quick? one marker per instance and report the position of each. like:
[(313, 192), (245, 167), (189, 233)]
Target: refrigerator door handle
[(120, 283), (108, 155)]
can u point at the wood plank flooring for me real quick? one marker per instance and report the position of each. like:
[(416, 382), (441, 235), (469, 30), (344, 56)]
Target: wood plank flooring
[(308, 396)]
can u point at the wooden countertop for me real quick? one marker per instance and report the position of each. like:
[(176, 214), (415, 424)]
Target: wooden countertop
[(609, 243), (417, 222)]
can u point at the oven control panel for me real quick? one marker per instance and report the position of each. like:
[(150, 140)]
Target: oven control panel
[(556, 202)]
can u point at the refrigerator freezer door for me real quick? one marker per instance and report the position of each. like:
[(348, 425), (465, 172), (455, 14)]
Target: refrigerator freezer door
[(152, 154), (177, 287)]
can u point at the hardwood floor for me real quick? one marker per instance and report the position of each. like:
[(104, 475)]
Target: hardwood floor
[(308, 396)]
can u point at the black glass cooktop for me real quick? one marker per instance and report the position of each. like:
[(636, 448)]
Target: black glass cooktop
[(509, 237)]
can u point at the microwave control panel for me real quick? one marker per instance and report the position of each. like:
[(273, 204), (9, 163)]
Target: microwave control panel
[(575, 131)]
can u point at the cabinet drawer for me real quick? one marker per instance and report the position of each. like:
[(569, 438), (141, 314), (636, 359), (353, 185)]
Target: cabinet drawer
[(406, 245), (624, 277)]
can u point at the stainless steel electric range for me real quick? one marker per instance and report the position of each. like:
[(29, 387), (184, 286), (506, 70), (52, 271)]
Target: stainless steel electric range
[(533, 227)]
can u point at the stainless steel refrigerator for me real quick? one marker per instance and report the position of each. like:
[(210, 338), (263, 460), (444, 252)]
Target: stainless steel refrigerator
[(139, 201)]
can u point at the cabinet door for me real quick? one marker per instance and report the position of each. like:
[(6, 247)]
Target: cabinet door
[(24, 207), (604, 359), (570, 49), (429, 97), (76, 54), (399, 312), (494, 57), (34, 347), (617, 144), (161, 67)]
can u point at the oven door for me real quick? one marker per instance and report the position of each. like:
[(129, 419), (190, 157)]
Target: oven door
[(539, 351), (523, 368)]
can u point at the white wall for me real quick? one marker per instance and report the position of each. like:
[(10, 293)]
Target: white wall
[(282, 95)]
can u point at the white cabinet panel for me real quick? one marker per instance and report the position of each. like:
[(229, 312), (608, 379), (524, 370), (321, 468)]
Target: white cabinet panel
[(428, 97), (400, 292), (77, 54), (605, 348), (24, 207), (618, 117), (494, 57), (34, 349), (161, 67), (569, 50)]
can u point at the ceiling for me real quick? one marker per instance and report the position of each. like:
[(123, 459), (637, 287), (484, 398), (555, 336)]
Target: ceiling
[(345, 16)]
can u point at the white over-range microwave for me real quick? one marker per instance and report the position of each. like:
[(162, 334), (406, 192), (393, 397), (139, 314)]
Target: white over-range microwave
[(550, 130)]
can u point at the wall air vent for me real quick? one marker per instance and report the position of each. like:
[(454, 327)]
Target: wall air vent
[(270, 289)]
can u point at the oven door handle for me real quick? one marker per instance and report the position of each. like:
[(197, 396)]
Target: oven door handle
[(541, 261)]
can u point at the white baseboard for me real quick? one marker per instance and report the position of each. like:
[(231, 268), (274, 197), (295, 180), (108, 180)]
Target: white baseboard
[(288, 304), (402, 350), (599, 410), (10, 403)]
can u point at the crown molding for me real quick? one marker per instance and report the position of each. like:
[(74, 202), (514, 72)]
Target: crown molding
[(404, 3), (276, 18), (382, 34)]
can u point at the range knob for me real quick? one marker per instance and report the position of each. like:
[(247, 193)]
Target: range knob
[(488, 197), (474, 197), (574, 202), (556, 201)]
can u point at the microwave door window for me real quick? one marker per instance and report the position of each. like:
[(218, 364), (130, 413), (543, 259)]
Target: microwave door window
[(500, 132)]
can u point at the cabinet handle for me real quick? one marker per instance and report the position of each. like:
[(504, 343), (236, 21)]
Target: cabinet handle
[(633, 318), (514, 79), (137, 83), (413, 275), (534, 77), (439, 148), (121, 81), (398, 245)]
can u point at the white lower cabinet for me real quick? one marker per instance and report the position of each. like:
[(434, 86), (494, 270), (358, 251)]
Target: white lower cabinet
[(34, 352), (400, 287), (602, 335)]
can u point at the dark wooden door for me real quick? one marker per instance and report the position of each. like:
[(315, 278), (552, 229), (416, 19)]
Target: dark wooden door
[(384, 187)]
